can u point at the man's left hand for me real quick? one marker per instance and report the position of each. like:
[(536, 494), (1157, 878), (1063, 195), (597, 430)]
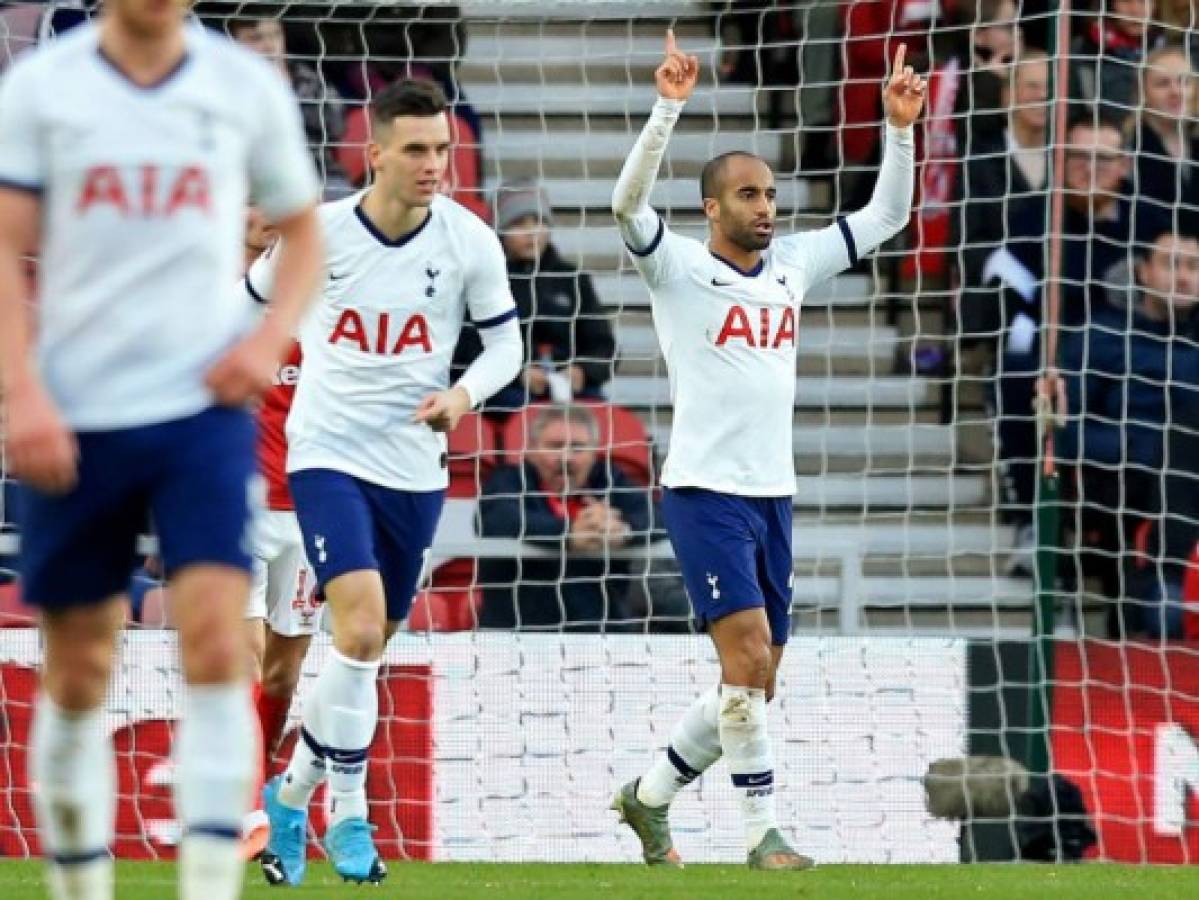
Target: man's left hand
[(442, 411), (903, 97)]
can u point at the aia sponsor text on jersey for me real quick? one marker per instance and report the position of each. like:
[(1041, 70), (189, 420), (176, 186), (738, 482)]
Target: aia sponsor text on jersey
[(147, 190), (375, 332), (772, 328)]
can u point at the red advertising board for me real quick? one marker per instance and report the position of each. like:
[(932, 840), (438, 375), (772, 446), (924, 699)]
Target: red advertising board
[(399, 777), (1126, 731)]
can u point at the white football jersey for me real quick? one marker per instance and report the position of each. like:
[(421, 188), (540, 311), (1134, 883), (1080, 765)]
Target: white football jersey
[(729, 341), (381, 337), (144, 193)]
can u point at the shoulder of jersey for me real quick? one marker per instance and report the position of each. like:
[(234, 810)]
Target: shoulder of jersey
[(228, 60), (458, 216), (337, 216), (48, 57)]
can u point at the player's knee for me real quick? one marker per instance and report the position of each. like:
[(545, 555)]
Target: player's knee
[(80, 686), (361, 638), (214, 659), (747, 663)]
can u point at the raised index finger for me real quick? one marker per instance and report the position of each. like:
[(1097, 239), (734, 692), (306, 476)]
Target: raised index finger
[(671, 47), (900, 55)]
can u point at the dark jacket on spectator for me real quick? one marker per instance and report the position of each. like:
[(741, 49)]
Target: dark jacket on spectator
[(560, 316), (1164, 184), (1090, 251), (1105, 69), (1122, 374), (569, 591), (992, 183)]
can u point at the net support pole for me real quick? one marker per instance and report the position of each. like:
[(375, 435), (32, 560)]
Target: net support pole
[(1048, 516)]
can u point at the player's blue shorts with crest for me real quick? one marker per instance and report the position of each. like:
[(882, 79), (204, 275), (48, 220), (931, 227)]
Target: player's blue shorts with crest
[(350, 525), (734, 552), (193, 477)]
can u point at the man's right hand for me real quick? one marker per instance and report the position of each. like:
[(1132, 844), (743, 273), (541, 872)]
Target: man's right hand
[(678, 74), (42, 452)]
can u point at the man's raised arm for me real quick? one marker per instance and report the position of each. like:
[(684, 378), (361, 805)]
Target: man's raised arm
[(830, 250), (675, 79)]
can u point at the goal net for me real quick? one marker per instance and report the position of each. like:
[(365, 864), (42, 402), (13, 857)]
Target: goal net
[(971, 576)]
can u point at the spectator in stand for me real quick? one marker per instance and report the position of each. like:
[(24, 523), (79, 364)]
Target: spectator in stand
[(320, 104), (568, 499), (1125, 373), (1167, 161), (873, 31), (1007, 166), (1096, 238), (1105, 60), (567, 335), (1178, 23)]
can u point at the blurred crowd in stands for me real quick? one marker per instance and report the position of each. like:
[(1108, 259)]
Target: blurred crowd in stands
[(981, 237)]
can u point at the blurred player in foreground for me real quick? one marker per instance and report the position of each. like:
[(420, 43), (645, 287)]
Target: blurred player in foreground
[(282, 615), (726, 314), (127, 151), (367, 448)]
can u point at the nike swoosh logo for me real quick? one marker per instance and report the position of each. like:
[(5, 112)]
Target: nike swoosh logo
[(782, 280), (333, 277), (718, 283), (758, 779)]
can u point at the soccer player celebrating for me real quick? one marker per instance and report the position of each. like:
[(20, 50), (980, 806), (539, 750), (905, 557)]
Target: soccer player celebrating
[(127, 151), (367, 446), (726, 313)]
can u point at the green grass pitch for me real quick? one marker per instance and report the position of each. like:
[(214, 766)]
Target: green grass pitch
[(460, 881)]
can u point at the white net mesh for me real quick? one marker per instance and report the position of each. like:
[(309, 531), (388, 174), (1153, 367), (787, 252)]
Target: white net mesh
[(915, 443)]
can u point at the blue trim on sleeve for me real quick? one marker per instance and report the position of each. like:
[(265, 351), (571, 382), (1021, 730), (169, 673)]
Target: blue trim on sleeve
[(653, 245), (258, 298), (497, 320), (849, 242), (27, 187)]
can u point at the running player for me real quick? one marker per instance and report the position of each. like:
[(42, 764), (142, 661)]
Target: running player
[(127, 150), (367, 447), (726, 314)]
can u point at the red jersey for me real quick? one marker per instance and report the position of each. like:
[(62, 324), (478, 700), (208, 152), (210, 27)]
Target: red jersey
[(272, 441)]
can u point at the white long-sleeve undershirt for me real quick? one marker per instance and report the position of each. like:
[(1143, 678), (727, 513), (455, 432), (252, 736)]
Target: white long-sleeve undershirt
[(882, 218), (497, 365)]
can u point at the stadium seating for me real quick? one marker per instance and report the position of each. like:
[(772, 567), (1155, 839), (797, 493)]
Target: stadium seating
[(473, 454)]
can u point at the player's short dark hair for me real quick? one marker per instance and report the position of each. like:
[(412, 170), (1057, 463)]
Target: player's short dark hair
[(711, 179), (407, 97)]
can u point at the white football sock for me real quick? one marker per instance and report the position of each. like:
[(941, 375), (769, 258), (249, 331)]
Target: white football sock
[(216, 755), (749, 756), (339, 724), (72, 769), (306, 769), (694, 746)]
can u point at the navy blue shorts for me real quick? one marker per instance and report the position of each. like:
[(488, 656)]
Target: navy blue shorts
[(192, 476), (735, 554), (350, 525)]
